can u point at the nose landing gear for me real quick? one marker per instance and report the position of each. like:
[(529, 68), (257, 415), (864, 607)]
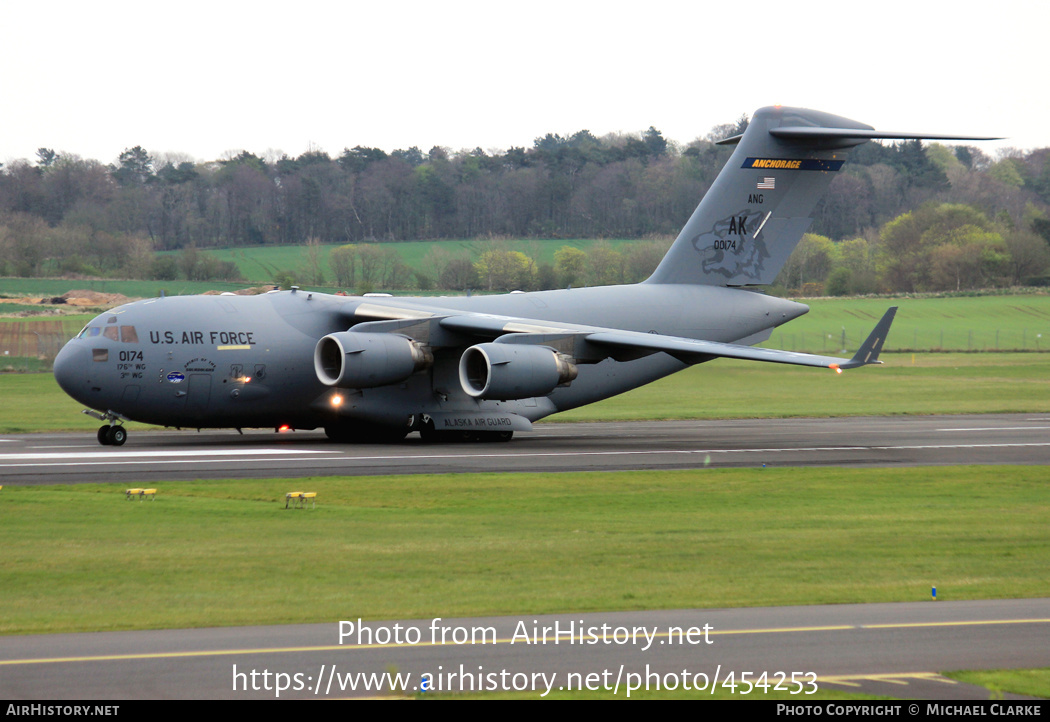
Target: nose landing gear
[(111, 433)]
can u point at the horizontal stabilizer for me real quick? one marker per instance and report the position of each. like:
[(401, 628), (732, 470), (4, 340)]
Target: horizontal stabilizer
[(860, 134)]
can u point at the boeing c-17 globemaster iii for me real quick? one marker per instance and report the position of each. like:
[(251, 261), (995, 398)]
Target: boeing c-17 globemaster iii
[(480, 367)]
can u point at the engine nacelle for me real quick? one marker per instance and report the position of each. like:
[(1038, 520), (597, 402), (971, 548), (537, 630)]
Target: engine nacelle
[(352, 360), (513, 371)]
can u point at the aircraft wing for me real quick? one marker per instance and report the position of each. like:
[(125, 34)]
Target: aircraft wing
[(528, 331)]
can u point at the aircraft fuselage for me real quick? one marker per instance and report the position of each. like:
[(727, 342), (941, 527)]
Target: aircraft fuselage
[(247, 361)]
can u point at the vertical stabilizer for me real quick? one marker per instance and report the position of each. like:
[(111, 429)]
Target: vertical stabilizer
[(762, 201)]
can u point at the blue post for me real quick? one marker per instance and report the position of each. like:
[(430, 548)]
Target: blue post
[(935, 594)]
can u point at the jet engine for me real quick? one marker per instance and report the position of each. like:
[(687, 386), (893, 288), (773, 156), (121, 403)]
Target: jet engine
[(513, 371), (366, 360)]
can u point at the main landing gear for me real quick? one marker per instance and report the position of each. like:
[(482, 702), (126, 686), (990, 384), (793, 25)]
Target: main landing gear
[(110, 433)]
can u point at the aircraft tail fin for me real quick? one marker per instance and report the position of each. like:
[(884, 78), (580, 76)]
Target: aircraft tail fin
[(762, 201)]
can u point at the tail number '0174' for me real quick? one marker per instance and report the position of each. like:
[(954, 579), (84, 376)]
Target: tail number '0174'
[(130, 355), (724, 245)]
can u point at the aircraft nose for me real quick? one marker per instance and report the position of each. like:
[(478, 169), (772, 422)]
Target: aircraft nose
[(70, 369)]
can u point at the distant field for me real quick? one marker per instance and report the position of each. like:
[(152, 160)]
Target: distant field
[(135, 289), (260, 263), (971, 323)]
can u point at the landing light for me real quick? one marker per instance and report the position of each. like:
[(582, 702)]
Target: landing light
[(337, 400), (836, 367)]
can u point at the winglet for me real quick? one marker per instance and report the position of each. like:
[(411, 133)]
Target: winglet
[(869, 351)]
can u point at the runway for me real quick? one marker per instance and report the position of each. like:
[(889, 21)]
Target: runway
[(155, 456), (886, 649)]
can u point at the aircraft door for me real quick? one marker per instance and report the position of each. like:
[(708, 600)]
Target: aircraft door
[(198, 394)]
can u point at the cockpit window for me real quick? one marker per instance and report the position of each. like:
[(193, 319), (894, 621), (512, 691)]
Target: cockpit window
[(126, 334)]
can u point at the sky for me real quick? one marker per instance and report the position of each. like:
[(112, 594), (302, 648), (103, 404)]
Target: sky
[(201, 80)]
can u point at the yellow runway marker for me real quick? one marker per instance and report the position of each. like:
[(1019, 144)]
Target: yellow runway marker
[(954, 624)]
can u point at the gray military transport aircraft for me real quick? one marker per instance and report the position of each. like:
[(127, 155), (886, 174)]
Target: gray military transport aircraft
[(481, 367)]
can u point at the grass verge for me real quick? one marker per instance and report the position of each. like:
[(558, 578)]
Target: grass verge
[(213, 553), (1030, 682)]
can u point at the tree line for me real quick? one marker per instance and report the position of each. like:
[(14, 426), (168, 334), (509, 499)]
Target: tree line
[(62, 214)]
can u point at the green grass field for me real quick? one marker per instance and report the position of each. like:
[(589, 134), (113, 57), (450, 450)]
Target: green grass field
[(227, 552), (1030, 682), (13, 287), (258, 264), (969, 323)]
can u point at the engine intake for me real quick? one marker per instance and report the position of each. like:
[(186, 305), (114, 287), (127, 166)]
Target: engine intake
[(513, 371), (353, 360)]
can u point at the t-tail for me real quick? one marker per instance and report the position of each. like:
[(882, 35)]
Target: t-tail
[(762, 202)]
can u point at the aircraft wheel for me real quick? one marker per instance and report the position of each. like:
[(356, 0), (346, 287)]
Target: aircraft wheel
[(103, 435), (117, 435)]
